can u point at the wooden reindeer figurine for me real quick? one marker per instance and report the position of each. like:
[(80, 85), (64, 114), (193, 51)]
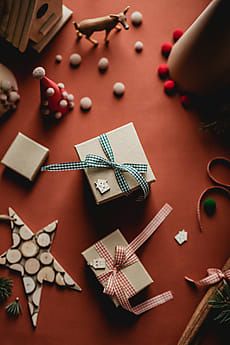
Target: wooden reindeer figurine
[(88, 26)]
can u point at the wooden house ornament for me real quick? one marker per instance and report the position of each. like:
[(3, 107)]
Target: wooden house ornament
[(38, 21)]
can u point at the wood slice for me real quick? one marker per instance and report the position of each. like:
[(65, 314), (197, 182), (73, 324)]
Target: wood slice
[(47, 274), (31, 308), (29, 249), (25, 233), (34, 319), (29, 284), (17, 220), (2, 261), (16, 240), (46, 258), (32, 266), (13, 256), (43, 240), (59, 279), (17, 267), (68, 280), (36, 296), (51, 227), (57, 267)]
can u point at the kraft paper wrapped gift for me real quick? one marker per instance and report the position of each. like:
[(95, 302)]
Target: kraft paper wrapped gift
[(126, 148), (137, 275), (25, 156)]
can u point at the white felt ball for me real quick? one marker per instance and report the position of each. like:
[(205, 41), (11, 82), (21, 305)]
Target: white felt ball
[(136, 18), (65, 94), (5, 85), (14, 96), (71, 105), (3, 97), (103, 64), (63, 103), (61, 85), (58, 58), (138, 46), (85, 103), (119, 89), (39, 72), (75, 60), (70, 97), (58, 115), (50, 92)]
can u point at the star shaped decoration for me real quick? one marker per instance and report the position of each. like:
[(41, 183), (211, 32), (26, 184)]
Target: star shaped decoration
[(102, 186), (30, 256)]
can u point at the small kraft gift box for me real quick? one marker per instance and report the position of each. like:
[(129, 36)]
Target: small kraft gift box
[(119, 270), (115, 164)]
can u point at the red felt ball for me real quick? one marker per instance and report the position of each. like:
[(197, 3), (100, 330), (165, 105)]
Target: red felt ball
[(177, 34), (163, 71), (169, 87), (185, 101), (166, 49)]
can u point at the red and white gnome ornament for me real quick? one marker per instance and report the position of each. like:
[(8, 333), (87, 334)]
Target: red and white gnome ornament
[(55, 100)]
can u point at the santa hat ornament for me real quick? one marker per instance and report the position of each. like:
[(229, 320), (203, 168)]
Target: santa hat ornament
[(55, 100)]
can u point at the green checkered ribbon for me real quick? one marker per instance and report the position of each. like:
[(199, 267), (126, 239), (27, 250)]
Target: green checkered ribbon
[(94, 161)]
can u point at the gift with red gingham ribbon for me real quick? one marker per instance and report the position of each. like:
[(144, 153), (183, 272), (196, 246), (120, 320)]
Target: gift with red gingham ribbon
[(115, 282), (214, 276)]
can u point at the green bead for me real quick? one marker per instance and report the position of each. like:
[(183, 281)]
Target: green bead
[(209, 206)]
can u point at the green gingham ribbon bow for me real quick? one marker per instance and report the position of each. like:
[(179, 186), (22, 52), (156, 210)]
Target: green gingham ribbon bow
[(94, 161)]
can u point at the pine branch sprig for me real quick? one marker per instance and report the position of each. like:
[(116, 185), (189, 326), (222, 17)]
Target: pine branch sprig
[(5, 288), (14, 309), (221, 304)]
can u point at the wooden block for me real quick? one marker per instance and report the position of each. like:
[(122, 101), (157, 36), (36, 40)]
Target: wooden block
[(66, 15), (8, 14), (25, 156), (13, 20), (20, 22), (27, 26), (4, 17)]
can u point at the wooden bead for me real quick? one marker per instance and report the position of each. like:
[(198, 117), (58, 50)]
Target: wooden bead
[(46, 258), (16, 240), (29, 284), (18, 268), (36, 296), (29, 249), (47, 274), (68, 280), (57, 267), (32, 266), (25, 233), (59, 279), (43, 240), (13, 256)]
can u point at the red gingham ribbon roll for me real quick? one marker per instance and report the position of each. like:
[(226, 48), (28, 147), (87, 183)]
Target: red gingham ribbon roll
[(222, 187), (214, 276), (115, 281)]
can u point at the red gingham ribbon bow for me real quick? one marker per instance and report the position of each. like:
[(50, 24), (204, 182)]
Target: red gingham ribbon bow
[(115, 282), (214, 276)]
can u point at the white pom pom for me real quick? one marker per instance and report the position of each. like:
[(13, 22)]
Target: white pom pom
[(65, 94), (103, 64), (14, 96), (75, 60), (118, 89), (85, 103), (61, 85), (50, 92), (58, 115), (71, 105), (5, 85), (70, 97), (63, 103), (39, 72)]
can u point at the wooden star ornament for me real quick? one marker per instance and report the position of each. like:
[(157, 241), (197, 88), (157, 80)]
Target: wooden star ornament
[(30, 256)]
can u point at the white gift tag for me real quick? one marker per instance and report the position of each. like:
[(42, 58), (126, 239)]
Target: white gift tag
[(98, 264)]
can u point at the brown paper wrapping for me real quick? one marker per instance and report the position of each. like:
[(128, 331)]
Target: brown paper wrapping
[(127, 149), (137, 275)]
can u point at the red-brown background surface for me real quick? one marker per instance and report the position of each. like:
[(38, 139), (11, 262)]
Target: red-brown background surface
[(178, 153)]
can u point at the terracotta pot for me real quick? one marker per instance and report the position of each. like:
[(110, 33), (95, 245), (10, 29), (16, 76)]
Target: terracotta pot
[(200, 61)]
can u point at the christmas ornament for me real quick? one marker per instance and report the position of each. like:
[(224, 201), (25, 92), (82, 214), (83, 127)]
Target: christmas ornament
[(5, 288), (14, 309), (163, 71), (170, 87), (136, 18), (209, 206), (138, 46), (185, 101), (55, 101), (177, 33), (30, 256), (166, 49)]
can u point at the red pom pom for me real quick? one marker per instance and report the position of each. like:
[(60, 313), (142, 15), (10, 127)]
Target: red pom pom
[(177, 34), (166, 49), (185, 101), (163, 71), (169, 87)]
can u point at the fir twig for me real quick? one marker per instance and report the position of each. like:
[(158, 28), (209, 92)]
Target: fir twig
[(221, 304), (14, 308), (5, 288)]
